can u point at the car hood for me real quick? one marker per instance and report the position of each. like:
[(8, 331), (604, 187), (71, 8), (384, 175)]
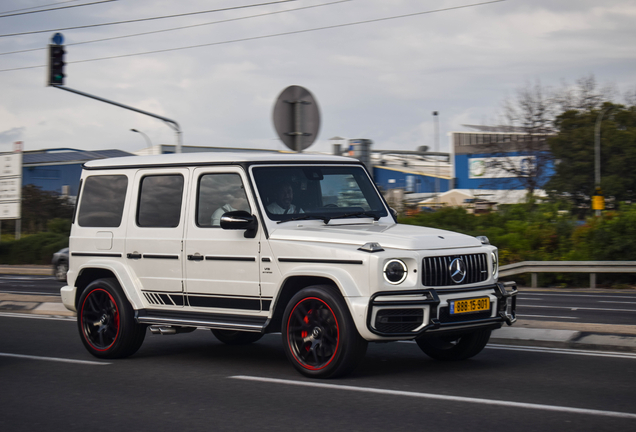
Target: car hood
[(396, 236)]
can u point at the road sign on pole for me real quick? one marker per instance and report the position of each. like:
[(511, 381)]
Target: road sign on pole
[(296, 118), (10, 185)]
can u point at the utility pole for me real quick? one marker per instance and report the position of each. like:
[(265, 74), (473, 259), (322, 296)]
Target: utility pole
[(56, 80), (436, 125)]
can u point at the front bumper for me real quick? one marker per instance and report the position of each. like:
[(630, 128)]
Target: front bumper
[(412, 313)]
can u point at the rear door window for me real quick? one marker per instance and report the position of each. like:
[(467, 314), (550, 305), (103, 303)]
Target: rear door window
[(160, 198)]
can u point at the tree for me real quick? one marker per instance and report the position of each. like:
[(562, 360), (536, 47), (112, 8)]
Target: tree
[(39, 207), (525, 158), (533, 112), (573, 149)]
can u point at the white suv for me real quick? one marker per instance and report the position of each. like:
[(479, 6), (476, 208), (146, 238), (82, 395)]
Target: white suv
[(252, 243)]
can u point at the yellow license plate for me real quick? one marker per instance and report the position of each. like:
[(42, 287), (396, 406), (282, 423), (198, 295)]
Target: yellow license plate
[(468, 306)]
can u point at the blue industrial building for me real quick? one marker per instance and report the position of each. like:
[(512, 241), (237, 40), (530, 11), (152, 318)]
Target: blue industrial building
[(408, 180), (480, 159), (59, 170)]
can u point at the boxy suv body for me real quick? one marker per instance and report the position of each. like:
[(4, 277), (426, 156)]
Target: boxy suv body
[(252, 243)]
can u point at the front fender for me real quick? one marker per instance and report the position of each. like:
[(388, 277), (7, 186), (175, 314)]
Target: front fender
[(342, 278)]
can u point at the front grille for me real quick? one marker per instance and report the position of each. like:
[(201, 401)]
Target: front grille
[(398, 320), (436, 270)]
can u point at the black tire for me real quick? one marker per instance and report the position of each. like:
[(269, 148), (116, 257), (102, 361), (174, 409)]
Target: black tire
[(233, 337), (106, 321), (457, 347), (60, 270), (319, 335)]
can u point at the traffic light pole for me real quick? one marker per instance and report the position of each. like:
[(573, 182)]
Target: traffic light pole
[(173, 124)]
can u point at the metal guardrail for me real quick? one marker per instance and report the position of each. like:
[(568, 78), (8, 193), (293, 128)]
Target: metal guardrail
[(591, 267)]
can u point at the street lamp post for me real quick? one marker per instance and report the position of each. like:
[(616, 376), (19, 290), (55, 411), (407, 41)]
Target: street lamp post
[(597, 152), (436, 119), (144, 135)]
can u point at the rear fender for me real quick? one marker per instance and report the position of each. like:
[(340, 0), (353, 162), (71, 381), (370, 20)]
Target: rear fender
[(130, 285)]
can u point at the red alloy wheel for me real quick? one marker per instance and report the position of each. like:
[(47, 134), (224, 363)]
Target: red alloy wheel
[(313, 333), (100, 319)]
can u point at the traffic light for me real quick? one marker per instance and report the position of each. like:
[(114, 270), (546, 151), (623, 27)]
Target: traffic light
[(56, 64)]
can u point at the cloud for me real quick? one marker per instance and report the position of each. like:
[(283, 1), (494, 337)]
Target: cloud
[(379, 80), (10, 136)]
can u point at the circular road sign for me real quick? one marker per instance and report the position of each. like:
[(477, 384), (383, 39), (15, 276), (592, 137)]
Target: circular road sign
[(57, 39), (296, 118)]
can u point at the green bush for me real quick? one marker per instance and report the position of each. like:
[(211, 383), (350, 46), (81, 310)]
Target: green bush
[(541, 233), (33, 249)]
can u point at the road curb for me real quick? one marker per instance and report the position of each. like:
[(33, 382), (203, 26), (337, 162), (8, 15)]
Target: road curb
[(566, 339)]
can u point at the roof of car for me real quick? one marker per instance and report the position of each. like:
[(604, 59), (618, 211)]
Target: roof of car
[(207, 158)]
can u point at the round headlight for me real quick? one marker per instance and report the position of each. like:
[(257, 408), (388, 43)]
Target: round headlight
[(395, 271), (495, 263)]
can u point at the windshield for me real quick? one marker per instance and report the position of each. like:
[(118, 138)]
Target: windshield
[(317, 192)]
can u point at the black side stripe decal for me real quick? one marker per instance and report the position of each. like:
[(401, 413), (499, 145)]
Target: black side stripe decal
[(96, 254), (320, 261), (221, 302), (153, 256), (225, 303), (229, 258)]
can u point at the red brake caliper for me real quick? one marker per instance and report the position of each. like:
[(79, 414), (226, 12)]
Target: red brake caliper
[(303, 334)]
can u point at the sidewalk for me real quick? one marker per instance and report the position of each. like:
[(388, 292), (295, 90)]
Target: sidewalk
[(553, 334), (39, 270)]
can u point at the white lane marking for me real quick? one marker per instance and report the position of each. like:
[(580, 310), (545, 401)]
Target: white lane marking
[(53, 359), (619, 302), (577, 308), (577, 295), (438, 397), (545, 316), (610, 354), (567, 351), (34, 316)]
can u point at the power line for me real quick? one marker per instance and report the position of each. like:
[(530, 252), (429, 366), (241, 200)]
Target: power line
[(54, 9), (184, 27), (148, 19), (35, 7), (271, 35)]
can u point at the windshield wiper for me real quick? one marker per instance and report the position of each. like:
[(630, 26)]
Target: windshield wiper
[(358, 214), (325, 219)]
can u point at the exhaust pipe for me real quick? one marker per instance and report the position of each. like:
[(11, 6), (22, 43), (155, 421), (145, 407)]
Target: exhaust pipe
[(170, 330)]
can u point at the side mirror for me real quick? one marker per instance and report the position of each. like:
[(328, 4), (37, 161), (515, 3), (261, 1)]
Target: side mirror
[(240, 220)]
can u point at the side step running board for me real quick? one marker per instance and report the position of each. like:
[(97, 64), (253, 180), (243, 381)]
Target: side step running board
[(193, 319)]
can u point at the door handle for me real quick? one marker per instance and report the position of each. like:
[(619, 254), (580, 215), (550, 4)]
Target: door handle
[(195, 257), (133, 256)]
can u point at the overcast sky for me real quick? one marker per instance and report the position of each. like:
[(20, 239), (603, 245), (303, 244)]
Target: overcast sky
[(379, 80)]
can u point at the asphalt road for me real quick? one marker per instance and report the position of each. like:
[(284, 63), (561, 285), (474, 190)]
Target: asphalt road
[(192, 382)]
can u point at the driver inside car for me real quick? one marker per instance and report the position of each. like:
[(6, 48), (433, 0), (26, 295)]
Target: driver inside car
[(284, 196)]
